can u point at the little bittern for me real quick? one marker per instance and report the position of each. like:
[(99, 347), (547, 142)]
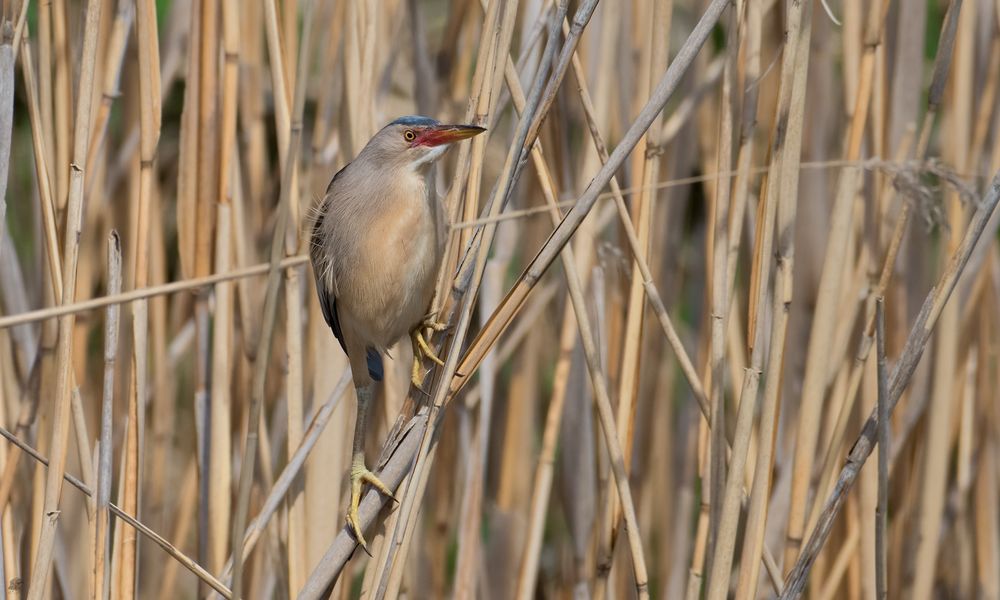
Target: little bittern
[(377, 241)]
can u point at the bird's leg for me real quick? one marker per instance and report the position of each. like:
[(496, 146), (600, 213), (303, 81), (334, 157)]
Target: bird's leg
[(422, 349), (359, 472)]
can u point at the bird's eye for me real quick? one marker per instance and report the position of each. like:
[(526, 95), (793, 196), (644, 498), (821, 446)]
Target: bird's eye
[(409, 135)]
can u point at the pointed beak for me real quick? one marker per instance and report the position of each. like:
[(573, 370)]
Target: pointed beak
[(447, 134)]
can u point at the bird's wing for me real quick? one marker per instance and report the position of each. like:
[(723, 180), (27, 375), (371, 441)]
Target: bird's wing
[(328, 301), (327, 298)]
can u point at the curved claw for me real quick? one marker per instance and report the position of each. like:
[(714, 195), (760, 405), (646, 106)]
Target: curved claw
[(421, 350), (425, 348), (354, 524), (359, 476)]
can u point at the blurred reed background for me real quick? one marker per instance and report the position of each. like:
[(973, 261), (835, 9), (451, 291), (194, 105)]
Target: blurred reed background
[(677, 409)]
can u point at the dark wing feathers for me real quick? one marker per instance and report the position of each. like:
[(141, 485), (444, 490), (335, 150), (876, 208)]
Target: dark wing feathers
[(328, 302), (375, 369)]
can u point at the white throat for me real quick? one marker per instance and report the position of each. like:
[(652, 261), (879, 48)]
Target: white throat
[(434, 154)]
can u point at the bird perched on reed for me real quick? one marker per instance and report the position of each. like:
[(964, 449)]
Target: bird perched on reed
[(378, 236)]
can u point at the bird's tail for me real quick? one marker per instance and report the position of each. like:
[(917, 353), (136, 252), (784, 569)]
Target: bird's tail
[(375, 368)]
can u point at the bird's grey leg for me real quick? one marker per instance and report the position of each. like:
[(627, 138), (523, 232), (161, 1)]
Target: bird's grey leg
[(359, 472)]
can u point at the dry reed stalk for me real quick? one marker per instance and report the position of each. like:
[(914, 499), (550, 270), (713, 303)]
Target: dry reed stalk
[(192, 283), (278, 248), (696, 566), (114, 57), (126, 583), (475, 443), (84, 454), (186, 504), (7, 62), (282, 71), (220, 455), (44, 90), (220, 452), (463, 296), (663, 92), (824, 317), (731, 487), (296, 536), (463, 169), (60, 425), (881, 512), (391, 474), (543, 475), (942, 63), (495, 46), (284, 481), (42, 174), (779, 210), (104, 473), (512, 302), (64, 140), (169, 548), (369, 79), (939, 434), (213, 488), (645, 170), (915, 343)]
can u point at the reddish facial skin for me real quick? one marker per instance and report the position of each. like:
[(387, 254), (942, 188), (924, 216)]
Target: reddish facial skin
[(445, 134)]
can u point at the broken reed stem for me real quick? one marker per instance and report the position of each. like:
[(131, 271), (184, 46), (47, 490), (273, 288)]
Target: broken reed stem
[(916, 342), (74, 225)]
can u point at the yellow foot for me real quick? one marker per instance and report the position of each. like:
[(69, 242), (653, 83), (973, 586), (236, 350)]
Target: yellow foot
[(359, 476), (428, 322), (421, 350)]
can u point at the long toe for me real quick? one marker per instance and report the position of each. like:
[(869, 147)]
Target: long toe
[(416, 374), (354, 522), (429, 322), (425, 348), (375, 482)]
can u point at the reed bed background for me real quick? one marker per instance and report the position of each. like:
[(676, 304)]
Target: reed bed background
[(707, 255)]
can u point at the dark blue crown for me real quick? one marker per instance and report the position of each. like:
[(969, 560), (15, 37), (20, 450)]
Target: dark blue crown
[(415, 121)]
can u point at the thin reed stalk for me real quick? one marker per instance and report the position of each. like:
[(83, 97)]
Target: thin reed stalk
[(71, 254)]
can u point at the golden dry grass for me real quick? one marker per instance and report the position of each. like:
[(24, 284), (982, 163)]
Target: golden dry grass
[(704, 245)]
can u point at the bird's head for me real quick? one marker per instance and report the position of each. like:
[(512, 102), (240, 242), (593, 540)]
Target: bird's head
[(418, 141)]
